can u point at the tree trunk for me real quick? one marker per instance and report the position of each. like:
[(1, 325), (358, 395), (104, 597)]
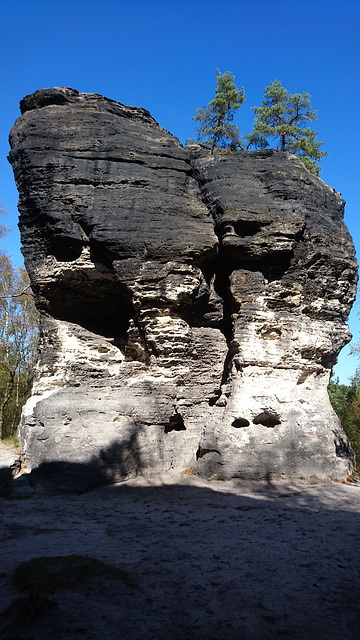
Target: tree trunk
[(214, 141), (3, 405), (14, 419)]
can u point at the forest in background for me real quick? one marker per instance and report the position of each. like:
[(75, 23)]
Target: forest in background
[(345, 400), (19, 330)]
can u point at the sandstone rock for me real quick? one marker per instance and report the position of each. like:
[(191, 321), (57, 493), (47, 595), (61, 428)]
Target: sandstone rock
[(192, 306), (291, 274)]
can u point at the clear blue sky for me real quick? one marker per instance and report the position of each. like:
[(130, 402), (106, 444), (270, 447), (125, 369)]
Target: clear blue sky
[(162, 55)]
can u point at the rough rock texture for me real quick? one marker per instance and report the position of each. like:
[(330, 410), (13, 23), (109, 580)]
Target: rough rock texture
[(192, 306)]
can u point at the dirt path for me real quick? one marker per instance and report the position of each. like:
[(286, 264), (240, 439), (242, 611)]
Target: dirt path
[(213, 561)]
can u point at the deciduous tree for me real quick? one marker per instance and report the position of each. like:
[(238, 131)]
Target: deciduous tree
[(18, 342)]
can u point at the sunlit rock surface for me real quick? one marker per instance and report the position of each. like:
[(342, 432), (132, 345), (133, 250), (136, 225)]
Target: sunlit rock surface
[(192, 306)]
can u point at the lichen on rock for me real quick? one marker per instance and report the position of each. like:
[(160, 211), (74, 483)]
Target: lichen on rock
[(189, 302)]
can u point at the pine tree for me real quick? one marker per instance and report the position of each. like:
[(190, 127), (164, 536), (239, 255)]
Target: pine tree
[(283, 117), (216, 128)]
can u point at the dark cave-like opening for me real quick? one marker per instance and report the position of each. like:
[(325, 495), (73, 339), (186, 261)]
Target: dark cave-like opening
[(240, 422), (94, 299), (176, 423)]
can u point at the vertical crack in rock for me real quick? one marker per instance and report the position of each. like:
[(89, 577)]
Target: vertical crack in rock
[(190, 303)]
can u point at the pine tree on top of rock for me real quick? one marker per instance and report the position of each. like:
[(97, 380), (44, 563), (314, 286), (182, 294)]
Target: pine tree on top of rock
[(283, 118), (216, 129)]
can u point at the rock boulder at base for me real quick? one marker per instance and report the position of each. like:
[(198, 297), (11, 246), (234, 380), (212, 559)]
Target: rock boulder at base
[(192, 305)]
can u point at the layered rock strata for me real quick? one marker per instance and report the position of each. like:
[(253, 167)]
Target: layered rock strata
[(192, 305)]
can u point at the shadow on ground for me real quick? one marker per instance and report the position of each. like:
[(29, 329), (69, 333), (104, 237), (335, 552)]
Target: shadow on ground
[(211, 560)]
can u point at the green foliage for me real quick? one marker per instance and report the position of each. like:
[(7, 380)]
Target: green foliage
[(18, 343), (284, 117), (216, 129), (346, 402)]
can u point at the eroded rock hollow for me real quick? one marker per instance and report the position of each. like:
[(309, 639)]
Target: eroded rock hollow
[(192, 305)]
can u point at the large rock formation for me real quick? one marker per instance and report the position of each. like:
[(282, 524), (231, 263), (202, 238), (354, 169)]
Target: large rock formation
[(192, 305)]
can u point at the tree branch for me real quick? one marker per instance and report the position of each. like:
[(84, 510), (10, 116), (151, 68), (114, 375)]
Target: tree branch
[(15, 295)]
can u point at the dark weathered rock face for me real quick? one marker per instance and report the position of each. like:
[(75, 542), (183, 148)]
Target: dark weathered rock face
[(193, 306)]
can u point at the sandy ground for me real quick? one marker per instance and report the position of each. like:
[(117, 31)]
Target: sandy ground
[(213, 561)]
